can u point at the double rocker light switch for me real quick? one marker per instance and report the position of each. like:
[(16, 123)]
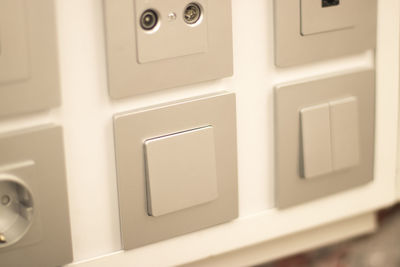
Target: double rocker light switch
[(180, 170), (324, 136), (330, 137)]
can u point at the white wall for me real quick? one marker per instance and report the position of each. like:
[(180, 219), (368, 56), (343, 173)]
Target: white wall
[(87, 111)]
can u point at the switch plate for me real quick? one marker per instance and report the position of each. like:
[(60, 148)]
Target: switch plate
[(306, 32), (35, 157), (340, 92), (28, 57), (180, 171), (174, 53), (330, 137), (132, 129)]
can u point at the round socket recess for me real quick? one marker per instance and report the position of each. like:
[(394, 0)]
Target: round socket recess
[(16, 209)]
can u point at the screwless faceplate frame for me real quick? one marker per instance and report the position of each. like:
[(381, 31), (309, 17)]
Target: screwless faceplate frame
[(35, 86), (291, 188), (128, 77), (42, 148), (132, 129), (292, 48)]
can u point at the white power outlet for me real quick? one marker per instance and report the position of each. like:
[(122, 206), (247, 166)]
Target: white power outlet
[(34, 213), (168, 33), (20, 224)]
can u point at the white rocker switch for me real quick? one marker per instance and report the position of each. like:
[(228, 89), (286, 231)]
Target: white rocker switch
[(330, 137), (180, 171)]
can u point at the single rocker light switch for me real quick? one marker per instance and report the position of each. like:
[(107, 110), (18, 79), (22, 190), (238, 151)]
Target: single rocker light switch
[(181, 171), (345, 133), (316, 140), (176, 166)]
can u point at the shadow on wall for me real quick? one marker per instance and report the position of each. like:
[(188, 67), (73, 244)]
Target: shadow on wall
[(381, 249)]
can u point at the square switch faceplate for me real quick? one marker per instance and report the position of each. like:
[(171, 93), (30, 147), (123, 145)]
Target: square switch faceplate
[(314, 30), (324, 130), (176, 168), (28, 57), (154, 44), (34, 202)]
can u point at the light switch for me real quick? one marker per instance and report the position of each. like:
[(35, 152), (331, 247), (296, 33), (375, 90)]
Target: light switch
[(316, 140), (181, 171), (317, 17), (345, 133), (324, 131), (330, 137), (176, 168)]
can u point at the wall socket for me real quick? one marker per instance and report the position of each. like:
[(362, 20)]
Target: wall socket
[(160, 44), (315, 30), (170, 28), (33, 199), (20, 211)]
